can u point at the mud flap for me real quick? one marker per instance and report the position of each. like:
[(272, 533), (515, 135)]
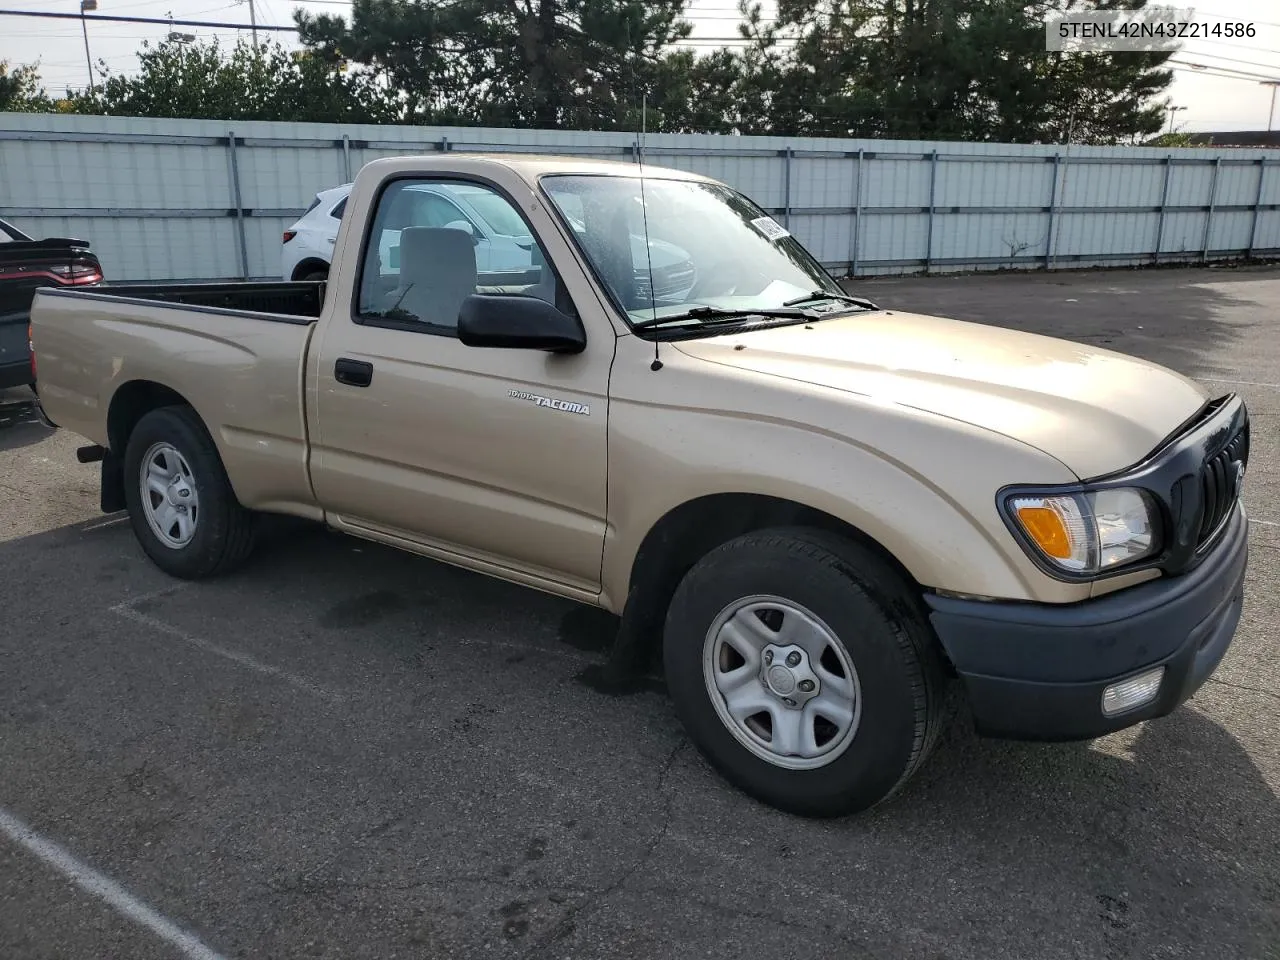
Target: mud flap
[(111, 484), (636, 653)]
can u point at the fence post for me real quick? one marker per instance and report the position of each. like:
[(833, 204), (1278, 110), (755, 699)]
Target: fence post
[(236, 197), (857, 217), (933, 194), (1053, 209), (1257, 206), (346, 158), (1164, 200), (786, 187), (1208, 220)]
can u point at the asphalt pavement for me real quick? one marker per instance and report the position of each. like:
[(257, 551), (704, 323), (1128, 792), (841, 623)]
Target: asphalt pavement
[(343, 751)]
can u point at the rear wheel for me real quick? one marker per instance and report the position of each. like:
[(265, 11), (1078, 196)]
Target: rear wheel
[(803, 671), (181, 505), (315, 275)]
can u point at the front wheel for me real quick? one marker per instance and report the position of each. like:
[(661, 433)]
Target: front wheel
[(181, 505), (803, 672)]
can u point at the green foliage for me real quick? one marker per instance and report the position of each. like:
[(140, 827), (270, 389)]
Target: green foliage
[(265, 83), (1177, 140), (529, 63), (901, 69), (20, 90), (961, 70)]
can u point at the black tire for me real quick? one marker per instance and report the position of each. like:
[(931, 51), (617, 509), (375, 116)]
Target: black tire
[(314, 275), (876, 618), (224, 530)]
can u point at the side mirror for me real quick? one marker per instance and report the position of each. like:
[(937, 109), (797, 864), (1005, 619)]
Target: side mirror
[(518, 323), (465, 227)]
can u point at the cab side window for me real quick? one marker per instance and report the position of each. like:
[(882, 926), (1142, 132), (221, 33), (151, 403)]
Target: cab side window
[(431, 246)]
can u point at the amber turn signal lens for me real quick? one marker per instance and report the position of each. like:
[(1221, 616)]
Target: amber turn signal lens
[(1046, 528)]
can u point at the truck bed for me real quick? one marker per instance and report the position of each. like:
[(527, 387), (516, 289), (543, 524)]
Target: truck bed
[(302, 299), (235, 352)]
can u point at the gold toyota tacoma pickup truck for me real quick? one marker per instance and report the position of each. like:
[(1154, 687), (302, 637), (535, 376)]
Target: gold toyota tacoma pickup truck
[(821, 512)]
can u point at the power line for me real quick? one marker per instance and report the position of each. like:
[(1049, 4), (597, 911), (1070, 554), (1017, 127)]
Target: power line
[(1202, 67), (1251, 63), (48, 14), (1207, 71), (1228, 43)]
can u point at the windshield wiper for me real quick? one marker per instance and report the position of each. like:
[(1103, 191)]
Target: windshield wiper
[(714, 316), (824, 295)]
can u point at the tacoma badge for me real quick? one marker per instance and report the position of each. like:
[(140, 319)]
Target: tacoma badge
[(555, 404)]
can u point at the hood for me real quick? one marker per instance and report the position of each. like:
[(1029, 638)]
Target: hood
[(1097, 411)]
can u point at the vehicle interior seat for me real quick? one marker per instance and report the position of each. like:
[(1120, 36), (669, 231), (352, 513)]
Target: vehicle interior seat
[(437, 273), (545, 285)]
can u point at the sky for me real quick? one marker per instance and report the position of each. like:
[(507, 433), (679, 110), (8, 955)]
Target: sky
[(1217, 80)]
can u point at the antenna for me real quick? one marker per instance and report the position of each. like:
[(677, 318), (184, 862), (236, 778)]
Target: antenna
[(644, 212)]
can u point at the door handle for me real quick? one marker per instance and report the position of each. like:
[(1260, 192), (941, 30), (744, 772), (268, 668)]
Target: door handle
[(354, 373)]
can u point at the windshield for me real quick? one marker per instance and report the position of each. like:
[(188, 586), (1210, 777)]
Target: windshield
[(708, 246)]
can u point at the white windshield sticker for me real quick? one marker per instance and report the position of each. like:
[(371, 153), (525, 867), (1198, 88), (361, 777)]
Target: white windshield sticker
[(770, 227)]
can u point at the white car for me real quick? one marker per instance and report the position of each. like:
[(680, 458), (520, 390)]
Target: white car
[(502, 239), (308, 243)]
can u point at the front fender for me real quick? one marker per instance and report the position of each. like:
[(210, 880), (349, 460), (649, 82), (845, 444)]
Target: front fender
[(921, 486)]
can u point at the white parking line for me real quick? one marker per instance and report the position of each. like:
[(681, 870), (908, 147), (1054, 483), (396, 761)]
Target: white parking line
[(103, 523), (1265, 523), (104, 888), (235, 656)]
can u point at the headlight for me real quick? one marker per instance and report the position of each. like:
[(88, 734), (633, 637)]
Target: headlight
[(1085, 534)]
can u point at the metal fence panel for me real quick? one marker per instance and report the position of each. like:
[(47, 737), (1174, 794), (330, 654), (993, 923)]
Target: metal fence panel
[(1228, 229), (182, 199)]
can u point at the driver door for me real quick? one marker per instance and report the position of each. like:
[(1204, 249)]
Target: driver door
[(497, 456)]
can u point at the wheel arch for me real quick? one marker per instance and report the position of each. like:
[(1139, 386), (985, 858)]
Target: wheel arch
[(308, 265), (690, 530), (131, 401)]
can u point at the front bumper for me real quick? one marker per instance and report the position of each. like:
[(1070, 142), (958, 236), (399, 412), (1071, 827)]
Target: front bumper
[(1037, 671)]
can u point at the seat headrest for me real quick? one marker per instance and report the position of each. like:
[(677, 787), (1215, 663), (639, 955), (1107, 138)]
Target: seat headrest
[(437, 252)]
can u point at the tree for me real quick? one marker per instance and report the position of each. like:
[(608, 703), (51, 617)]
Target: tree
[(263, 83), (577, 64), (959, 69), (21, 91), (907, 69)]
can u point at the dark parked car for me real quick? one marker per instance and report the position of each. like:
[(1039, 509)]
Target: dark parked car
[(26, 264)]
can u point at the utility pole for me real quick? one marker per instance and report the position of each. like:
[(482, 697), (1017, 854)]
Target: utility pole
[(1272, 112), (253, 22), (1172, 113), (85, 7)]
